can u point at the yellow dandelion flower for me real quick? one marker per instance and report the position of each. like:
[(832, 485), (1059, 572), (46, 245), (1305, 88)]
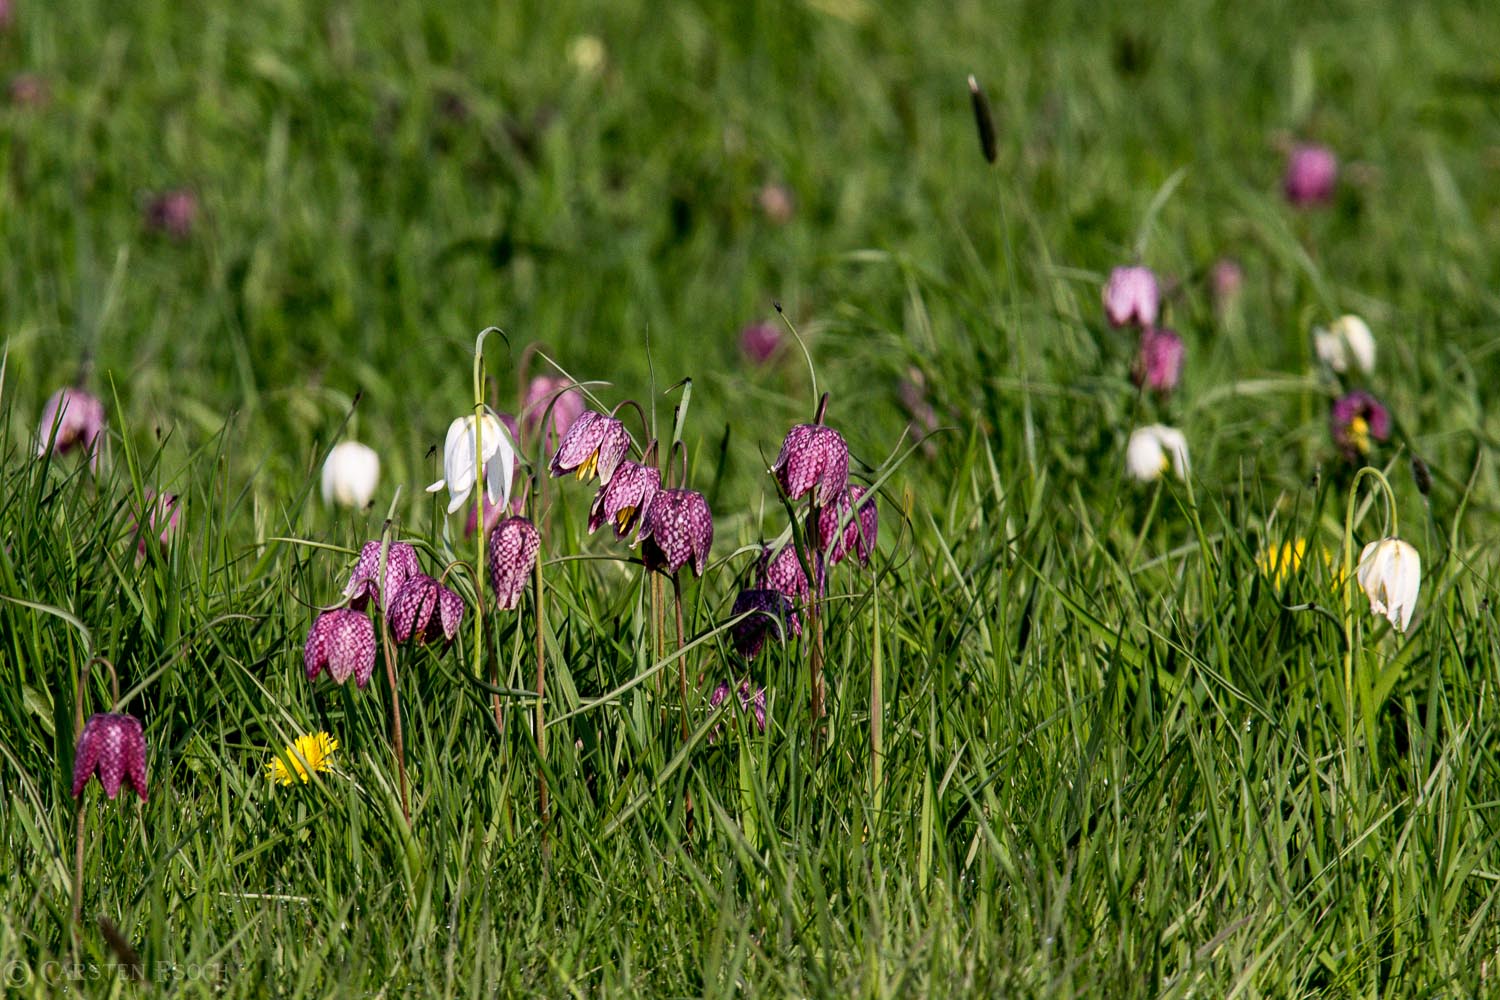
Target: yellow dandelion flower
[(305, 755), (1281, 561)]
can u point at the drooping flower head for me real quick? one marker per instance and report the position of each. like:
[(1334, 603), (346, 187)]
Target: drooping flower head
[(71, 419), (113, 746), (750, 702), (624, 500), (781, 570), (460, 466), (1357, 420), (513, 547), (341, 641), (814, 459), (1390, 573), (678, 530), (1346, 343), (1311, 173), (1153, 450), (1158, 364), (173, 213), (595, 444), (566, 409), (162, 512), (1132, 296), (759, 342), (306, 755), (364, 581), (350, 474), (411, 613), (770, 614), (1226, 279), (860, 530)]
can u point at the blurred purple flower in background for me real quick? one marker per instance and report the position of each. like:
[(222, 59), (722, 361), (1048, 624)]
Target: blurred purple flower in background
[(759, 342), (1158, 363), (1311, 173), (1132, 296), (1356, 421), (173, 213), (71, 419)]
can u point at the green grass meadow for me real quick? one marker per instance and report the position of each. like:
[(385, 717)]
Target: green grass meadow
[(1078, 743)]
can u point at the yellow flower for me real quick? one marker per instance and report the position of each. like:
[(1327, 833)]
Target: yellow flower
[(306, 754), (1281, 561)]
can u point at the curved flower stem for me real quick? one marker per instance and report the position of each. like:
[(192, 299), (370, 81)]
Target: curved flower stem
[(815, 614), (1350, 582), (114, 683)]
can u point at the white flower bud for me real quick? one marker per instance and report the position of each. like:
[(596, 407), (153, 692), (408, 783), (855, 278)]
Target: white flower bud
[(1390, 572), (350, 475), (1153, 450)]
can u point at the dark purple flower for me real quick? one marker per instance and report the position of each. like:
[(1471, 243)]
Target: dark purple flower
[(71, 419), (1132, 296), (815, 459), (1158, 364), (678, 529), (513, 548), (594, 444), (113, 746), (782, 571), (860, 531), (400, 563), (162, 514), (411, 613), (1357, 420), (759, 342), (173, 213), (540, 393), (749, 702), (1311, 173), (624, 501), (772, 614), (344, 642)]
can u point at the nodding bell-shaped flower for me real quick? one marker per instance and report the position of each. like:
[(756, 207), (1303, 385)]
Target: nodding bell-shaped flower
[(678, 529), (1390, 573), (513, 547), (112, 746), (1311, 173), (364, 583), (541, 393), (350, 474), (459, 464), (759, 342), (343, 642), (1132, 296), (1153, 450), (1158, 364), (771, 614), (749, 702), (71, 419), (163, 510), (1356, 421), (624, 500), (814, 459), (859, 533), (173, 213), (782, 571), (1346, 343), (595, 444), (411, 613)]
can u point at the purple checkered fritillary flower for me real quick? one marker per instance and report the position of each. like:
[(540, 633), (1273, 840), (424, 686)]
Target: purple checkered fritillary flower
[(771, 614), (363, 585), (513, 547), (782, 571), (814, 459), (1312, 171), (112, 746), (558, 392), (411, 614), (624, 500), (754, 703), (595, 444), (860, 531), (678, 530), (342, 642), (1132, 296), (1158, 363), (1357, 420), (71, 419)]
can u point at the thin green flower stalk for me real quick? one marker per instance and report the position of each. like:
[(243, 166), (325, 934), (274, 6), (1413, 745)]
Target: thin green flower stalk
[(1350, 626), (397, 743)]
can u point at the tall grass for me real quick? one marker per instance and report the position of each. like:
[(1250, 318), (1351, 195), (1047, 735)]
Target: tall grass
[(1117, 758)]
